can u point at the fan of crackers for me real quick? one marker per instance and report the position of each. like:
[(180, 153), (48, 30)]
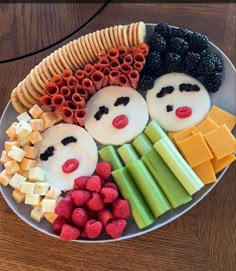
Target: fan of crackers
[(74, 55)]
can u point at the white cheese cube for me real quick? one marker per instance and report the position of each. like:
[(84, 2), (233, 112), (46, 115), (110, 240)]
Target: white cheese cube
[(50, 216), (24, 116), (18, 196), (48, 205), (30, 152), (11, 167), (23, 128), (23, 140), (16, 181), (37, 214), (27, 188), (53, 193), (41, 188), (5, 178), (16, 154), (32, 199), (36, 174), (4, 157)]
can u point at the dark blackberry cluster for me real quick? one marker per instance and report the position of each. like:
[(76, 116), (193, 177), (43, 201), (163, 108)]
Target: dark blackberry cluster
[(173, 49)]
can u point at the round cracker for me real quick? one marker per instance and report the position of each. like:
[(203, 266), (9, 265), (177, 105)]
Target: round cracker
[(125, 35), (90, 50), (74, 55), (40, 77), (63, 60), (22, 97), (33, 92), (141, 32), (135, 31), (45, 70), (19, 107), (28, 95), (115, 31), (87, 51), (107, 37), (76, 45), (65, 55), (99, 40), (89, 40), (104, 41), (51, 60), (95, 42), (112, 37), (130, 35), (58, 63), (49, 65), (37, 85), (120, 35), (72, 60)]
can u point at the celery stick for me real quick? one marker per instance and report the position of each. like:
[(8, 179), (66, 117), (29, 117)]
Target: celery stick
[(153, 195), (139, 209), (174, 191), (179, 166), (142, 144), (110, 155), (127, 153), (154, 132)]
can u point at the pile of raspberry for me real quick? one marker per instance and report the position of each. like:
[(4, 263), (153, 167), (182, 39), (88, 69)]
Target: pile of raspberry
[(93, 207)]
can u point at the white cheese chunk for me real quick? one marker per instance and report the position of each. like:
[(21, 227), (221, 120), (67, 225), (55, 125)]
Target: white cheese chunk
[(16, 181), (36, 174), (48, 205), (23, 128), (32, 199), (37, 214), (24, 116), (16, 153), (27, 187), (41, 188)]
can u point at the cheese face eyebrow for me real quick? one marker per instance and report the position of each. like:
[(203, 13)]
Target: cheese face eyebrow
[(121, 100)]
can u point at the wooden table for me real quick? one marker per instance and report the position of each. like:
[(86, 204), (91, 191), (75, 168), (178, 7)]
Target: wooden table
[(202, 239)]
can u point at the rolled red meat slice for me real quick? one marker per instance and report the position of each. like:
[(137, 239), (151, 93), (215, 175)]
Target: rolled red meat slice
[(132, 50), (51, 88), (138, 66), (114, 77), (104, 62), (82, 92), (143, 48), (122, 51), (98, 67), (78, 100), (71, 105), (102, 54), (113, 53), (68, 114), (88, 69), (46, 100), (72, 82), (125, 68), (66, 74), (80, 116), (58, 102), (80, 75), (58, 80), (97, 77), (66, 92), (133, 78), (106, 72), (89, 86), (128, 59), (139, 57), (123, 81), (114, 64)]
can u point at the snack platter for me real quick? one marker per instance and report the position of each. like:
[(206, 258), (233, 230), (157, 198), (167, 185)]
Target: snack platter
[(225, 100)]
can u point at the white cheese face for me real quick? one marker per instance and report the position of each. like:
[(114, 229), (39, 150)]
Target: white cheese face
[(84, 150), (135, 111), (196, 102)]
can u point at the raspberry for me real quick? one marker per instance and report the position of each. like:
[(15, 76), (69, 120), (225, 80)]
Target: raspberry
[(93, 228), (65, 207), (94, 183), (116, 227), (58, 223), (69, 193), (105, 216), (96, 202), (91, 213), (81, 197), (103, 169), (80, 182), (109, 194), (69, 233), (79, 217), (121, 209), (83, 234), (111, 185)]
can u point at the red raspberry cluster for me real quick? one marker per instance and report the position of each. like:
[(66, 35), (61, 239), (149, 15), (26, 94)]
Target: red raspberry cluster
[(93, 207)]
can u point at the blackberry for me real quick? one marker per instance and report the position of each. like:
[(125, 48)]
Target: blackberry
[(164, 29), (212, 81), (157, 42), (219, 65), (181, 67), (146, 82), (153, 62), (181, 33), (198, 42), (191, 61), (172, 61), (179, 46), (206, 65)]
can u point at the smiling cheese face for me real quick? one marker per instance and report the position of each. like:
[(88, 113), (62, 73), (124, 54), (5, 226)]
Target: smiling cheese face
[(116, 115), (66, 152), (178, 101)]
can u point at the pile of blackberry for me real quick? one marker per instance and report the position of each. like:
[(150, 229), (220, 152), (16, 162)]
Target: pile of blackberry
[(180, 50)]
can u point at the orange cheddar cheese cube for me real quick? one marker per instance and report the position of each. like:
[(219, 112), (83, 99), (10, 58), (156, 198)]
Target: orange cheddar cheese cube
[(35, 111), (181, 135), (221, 141), (5, 178), (35, 137), (195, 150), (8, 145), (26, 164), (11, 167), (205, 172), (37, 124), (205, 126), (4, 157), (30, 152), (11, 131), (220, 117), (222, 163)]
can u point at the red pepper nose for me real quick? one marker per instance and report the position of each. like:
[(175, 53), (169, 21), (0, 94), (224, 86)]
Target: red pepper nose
[(120, 121), (183, 112), (70, 165)]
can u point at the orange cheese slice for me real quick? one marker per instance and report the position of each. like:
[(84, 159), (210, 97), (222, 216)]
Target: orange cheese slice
[(220, 117), (195, 150), (181, 135), (221, 141), (205, 126), (205, 172), (220, 164)]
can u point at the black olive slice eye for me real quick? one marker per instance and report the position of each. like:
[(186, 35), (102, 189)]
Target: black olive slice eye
[(164, 91), (68, 139), (188, 87), (49, 152), (122, 100), (102, 110), (169, 108)]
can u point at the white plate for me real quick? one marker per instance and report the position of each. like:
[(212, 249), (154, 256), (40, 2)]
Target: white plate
[(224, 98)]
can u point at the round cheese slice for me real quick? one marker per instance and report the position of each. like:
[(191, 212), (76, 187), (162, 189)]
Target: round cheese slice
[(103, 129), (164, 108), (84, 150)]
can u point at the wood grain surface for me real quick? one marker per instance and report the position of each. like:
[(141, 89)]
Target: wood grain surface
[(204, 239), (26, 28)]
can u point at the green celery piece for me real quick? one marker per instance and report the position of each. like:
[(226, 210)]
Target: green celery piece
[(174, 191), (127, 153), (154, 132), (142, 144), (110, 155), (139, 209), (179, 166), (151, 192)]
